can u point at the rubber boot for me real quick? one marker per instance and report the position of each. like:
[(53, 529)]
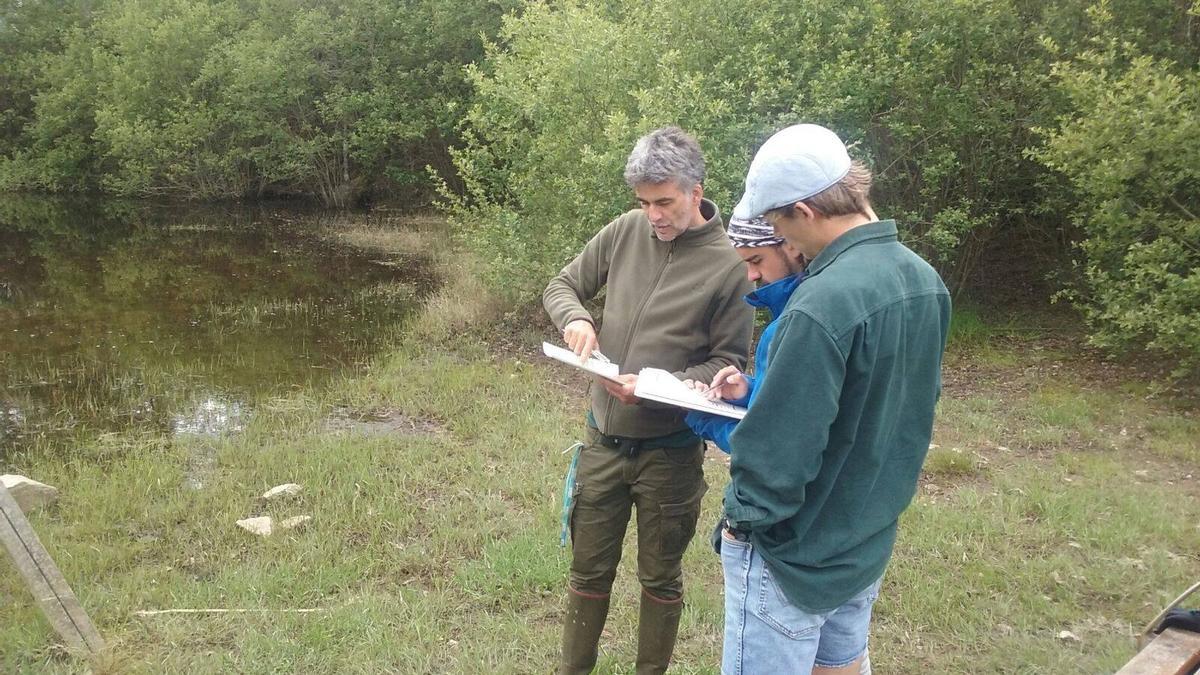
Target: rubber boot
[(658, 623), (581, 632)]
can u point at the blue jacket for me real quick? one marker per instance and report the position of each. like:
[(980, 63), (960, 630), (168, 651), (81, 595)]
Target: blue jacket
[(773, 296)]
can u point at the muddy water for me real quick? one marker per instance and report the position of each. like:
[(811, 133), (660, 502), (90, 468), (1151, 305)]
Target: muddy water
[(178, 319)]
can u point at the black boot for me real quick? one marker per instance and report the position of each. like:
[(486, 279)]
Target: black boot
[(658, 623), (581, 632)]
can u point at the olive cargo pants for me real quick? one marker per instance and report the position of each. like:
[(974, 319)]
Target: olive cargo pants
[(665, 484)]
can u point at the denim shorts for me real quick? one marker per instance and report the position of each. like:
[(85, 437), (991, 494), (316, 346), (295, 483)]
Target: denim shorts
[(765, 633)]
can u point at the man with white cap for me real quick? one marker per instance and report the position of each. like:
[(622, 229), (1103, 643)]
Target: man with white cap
[(829, 453)]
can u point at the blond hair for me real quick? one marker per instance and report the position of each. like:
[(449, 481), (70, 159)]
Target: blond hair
[(849, 195)]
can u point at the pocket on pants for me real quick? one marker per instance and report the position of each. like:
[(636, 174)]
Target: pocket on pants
[(679, 524), (692, 455), (777, 611)]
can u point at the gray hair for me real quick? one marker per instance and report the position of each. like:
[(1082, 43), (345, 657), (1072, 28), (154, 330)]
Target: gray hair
[(665, 154)]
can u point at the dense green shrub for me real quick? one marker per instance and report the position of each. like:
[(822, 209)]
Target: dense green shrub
[(938, 96), (978, 140), (27, 32), (565, 73), (1131, 149), (225, 99), (944, 99)]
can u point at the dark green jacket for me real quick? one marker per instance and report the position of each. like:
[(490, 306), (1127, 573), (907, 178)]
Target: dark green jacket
[(673, 305), (829, 454)]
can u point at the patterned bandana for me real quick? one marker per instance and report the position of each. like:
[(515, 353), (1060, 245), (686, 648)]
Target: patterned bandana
[(752, 233)]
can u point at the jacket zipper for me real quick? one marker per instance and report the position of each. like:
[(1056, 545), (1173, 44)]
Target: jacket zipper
[(637, 320)]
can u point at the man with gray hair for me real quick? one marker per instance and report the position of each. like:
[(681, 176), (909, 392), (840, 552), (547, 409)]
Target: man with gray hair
[(673, 301)]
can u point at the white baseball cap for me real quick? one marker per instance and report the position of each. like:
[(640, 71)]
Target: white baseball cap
[(794, 164)]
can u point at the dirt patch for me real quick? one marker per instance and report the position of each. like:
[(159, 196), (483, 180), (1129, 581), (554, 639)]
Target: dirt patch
[(1060, 353), (518, 336), (380, 423), (1059, 361)]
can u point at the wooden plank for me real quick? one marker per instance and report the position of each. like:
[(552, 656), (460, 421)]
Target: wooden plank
[(49, 588), (1173, 652)]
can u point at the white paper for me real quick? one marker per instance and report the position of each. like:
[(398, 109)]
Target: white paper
[(659, 385), (604, 369)]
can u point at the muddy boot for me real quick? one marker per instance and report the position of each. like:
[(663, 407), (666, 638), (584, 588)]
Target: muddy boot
[(658, 623), (581, 632)]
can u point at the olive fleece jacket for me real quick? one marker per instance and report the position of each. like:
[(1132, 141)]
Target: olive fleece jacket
[(673, 305)]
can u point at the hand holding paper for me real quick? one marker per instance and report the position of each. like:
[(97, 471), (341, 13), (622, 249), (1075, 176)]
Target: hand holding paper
[(624, 391), (649, 383), (606, 370), (580, 336), (662, 386)]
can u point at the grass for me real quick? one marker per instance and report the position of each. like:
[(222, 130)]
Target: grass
[(1057, 499), (950, 463)]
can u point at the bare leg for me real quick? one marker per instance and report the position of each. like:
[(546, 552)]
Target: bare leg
[(848, 669), (861, 666)]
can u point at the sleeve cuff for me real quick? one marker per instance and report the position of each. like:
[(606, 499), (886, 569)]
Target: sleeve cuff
[(742, 517), (575, 316)]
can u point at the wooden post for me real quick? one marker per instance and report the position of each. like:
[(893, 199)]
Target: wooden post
[(53, 595), (1174, 652)]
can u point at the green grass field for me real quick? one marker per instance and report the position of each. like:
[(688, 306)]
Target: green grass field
[(1061, 499)]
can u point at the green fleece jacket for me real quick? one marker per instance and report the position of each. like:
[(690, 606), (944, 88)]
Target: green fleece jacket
[(673, 305), (829, 453)]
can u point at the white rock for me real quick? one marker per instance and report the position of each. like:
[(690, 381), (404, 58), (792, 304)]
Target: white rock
[(261, 525), (265, 526), (294, 521), (285, 490), (1068, 635), (29, 493)]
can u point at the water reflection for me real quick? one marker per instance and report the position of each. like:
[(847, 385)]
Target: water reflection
[(176, 319), (210, 417)]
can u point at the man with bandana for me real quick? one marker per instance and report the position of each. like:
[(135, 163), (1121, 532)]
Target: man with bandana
[(778, 268)]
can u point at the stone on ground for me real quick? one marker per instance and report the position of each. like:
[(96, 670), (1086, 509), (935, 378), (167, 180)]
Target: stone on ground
[(29, 493), (260, 525), (285, 490)]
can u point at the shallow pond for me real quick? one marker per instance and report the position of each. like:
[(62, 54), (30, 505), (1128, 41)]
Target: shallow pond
[(176, 319)]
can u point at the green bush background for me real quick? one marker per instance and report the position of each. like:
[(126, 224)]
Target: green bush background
[(995, 125)]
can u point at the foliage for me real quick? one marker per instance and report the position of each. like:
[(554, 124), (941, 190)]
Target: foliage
[(939, 97), (971, 113), (943, 99), (1131, 148), (565, 74), (26, 30), (275, 96)]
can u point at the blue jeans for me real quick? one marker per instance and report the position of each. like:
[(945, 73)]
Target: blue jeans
[(765, 633)]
